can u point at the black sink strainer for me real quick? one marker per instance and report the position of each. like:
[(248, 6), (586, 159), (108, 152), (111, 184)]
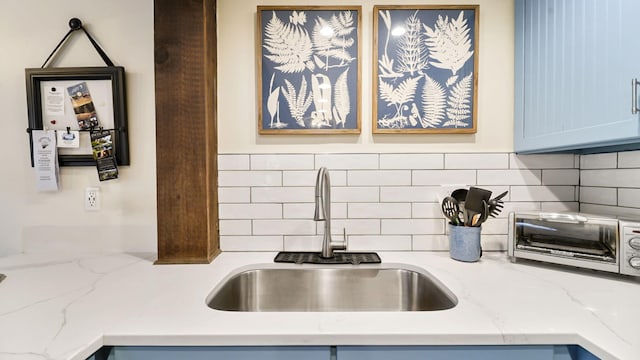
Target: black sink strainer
[(354, 258)]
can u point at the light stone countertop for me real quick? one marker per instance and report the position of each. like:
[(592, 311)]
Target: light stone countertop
[(67, 307)]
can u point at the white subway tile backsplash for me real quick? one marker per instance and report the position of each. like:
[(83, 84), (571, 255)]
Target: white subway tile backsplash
[(302, 210), (284, 227), (307, 210), (438, 242), (598, 161), (249, 178), (411, 161), (544, 161), (629, 159), (251, 243), (494, 242), (598, 195), (610, 178), (426, 210), (629, 197), (516, 206), (308, 178), (557, 206), (378, 210), (250, 211), (542, 193), (408, 193), (378, 177), (391, 201), (303, 243), (233, 162), (301, 177), (495, 226), (476, 161), (234, 195), (353, 226), (355, 194), (561, 177), (631, 212), (288, 194), (509, 177), (443, 177), (282, 162), (379, 243), (411, 226), (234, 227), (347, 161)]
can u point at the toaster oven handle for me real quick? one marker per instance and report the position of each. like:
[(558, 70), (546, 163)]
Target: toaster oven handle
[(563, 218)]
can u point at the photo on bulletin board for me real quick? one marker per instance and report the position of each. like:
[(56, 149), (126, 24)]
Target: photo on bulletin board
[(425, 73), (76, 101), (309, 64)]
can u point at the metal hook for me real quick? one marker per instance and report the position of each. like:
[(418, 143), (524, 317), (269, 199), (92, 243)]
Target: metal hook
[(75, 24)]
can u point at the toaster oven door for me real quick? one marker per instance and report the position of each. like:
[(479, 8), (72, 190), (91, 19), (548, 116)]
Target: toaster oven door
[(569, 236)]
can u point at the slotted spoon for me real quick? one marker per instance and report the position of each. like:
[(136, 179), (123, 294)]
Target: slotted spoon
[(451, 210)]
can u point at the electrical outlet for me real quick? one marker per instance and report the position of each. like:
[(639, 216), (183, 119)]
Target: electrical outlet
[(92, 199)]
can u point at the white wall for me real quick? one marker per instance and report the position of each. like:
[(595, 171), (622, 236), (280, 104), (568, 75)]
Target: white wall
[(29, 30), (237, 104)]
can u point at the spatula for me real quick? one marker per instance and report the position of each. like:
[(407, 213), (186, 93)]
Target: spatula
[(473, 204)]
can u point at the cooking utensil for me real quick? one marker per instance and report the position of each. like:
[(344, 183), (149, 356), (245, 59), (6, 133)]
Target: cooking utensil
[(482, 217), (451, 210), (473, 203), (496, 204), (460, 195)]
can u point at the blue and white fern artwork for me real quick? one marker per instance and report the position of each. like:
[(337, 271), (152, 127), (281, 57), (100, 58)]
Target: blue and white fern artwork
[(309, 70), (425, 69)]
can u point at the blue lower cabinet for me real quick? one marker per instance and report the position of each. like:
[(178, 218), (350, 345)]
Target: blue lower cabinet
[(498, 352), (220, 353), (435, 352)]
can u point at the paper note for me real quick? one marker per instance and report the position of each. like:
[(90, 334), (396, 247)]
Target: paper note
[(45, 158), (54, 100)]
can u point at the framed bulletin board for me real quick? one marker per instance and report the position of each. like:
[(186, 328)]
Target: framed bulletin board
[(84, 99)]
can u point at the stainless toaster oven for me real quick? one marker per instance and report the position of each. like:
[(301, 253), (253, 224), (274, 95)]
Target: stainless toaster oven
[(604, 243)]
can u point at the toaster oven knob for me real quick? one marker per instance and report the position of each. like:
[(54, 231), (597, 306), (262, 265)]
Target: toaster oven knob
[(635, 262), (635, 243)]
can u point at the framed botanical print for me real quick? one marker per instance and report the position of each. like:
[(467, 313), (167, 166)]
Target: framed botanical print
[(309, 69), (425, 72)]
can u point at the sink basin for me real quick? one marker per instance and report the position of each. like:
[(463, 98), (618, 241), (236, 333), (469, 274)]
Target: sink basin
[(375, 287)]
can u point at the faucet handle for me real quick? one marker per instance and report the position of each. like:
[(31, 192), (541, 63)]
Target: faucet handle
[(341, 245)]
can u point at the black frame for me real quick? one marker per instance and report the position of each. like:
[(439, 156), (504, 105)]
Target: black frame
[(115, 74)]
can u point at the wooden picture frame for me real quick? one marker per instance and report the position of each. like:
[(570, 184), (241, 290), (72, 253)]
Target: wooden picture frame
[(107, 90), (425, 73), (309, 69)]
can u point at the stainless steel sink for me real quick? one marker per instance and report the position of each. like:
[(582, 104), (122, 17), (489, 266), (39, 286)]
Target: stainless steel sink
[(375, 287)]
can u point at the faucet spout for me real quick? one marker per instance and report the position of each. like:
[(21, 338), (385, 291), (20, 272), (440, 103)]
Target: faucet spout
[(323, 213)]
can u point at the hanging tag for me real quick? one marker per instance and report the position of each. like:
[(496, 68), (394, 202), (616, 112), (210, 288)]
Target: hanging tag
[(45, 160), (68, 138), (83, 106), (102, 146)]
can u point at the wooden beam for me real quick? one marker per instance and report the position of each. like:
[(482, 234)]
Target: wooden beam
[(186, 143)]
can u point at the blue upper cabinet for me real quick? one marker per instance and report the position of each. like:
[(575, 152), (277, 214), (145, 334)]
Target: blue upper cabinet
[(575, 64)]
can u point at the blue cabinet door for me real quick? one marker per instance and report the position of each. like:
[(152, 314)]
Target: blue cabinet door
[(476, 352), (575, 62), (220, 353)]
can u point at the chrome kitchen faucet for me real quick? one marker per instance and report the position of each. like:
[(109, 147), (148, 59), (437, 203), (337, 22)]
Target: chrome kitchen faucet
[(323, 213)]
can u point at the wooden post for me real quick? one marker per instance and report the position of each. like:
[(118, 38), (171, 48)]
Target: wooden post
[(186, 143)]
